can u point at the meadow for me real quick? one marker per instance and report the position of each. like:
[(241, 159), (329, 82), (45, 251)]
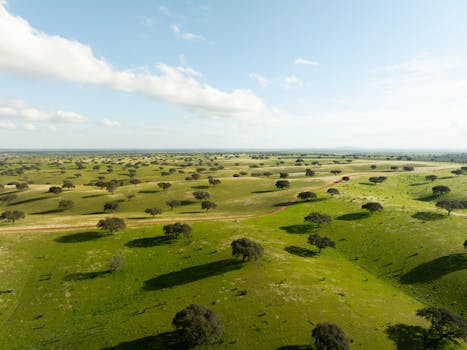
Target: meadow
[(56, 290)]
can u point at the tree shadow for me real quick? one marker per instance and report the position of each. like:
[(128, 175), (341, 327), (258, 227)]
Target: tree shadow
[(428, 216), (435, 269), (192, 274), (30, 200), (150, 242), (95, 213), (93, 195), (190, 212), (299, 251), (264, 191), (286, 204), (139, 217), (408, 337), (81, 276), (353, 216), (166, 341), (187, 202), (80, 237), (51, 211), (428, 198), (295, 347), (148, 191), (297, 229), (367, 183), (419, 184), (200, 187)]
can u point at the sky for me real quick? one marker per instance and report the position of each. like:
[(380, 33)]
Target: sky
[(233, 74)]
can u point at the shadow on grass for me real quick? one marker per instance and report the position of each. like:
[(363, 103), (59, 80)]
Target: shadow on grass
[(295, 347), (200, 187), (428, 198), (419, 184), (187, 202), (148, 191), (408, 337), (167, 341), (353, 216), (51, 211), (191, 212), (80, 237), (299, 251), (93, 195), (367, 183), (139, 217), (150, 242), (30, 200), (435, 269), (192, 274), (264, 191), (428, 216), (297, 229), (81, 276), (286, 204), (95, 213)]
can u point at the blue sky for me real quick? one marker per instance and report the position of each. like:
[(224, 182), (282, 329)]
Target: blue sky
[(239, 74)]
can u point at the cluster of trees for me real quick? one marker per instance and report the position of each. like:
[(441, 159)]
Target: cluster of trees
[(247, 249), (321, 242), (12, 215), (111, 224), (318, 218), (177, 229)]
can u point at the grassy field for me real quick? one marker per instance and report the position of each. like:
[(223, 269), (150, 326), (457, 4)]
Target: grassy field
[(56, 292)]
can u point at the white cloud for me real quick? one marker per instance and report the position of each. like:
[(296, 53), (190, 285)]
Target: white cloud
[(26, 51), (306, 62), (291, 82), (109, 123), (146, 21), (7, 126), (70, 117), (262, 81), (185, 35), (164, 10)]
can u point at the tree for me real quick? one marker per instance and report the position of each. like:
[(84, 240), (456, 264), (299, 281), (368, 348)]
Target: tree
[(177, 229), (309, 172), (377, 179), (445, 325), (373, 166), (246, 249), (201, 195), (111, 186), (172, 203), (153, 211), (449, 205), (306, 196), (281, 184), (457, 172), (394, 168), (208, 205), (372, 206), (116, 263), (68, 184), (431, 178), (465, 244), (22, 186), (213, 181), (9, 197), (55, 189), (318, 218), (408, 168), (321, 242), (440, 190), (65, 204), (111, 206), (329, 336), (199, 325), (345, 178), (111, 224), (130, 196), (332, 191), (164, 185), (335, 171), (283, 175), (12, 216)]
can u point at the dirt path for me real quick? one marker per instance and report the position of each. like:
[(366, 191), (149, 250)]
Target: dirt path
[(218, 218)]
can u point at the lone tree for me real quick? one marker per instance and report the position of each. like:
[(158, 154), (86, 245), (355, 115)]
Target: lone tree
[(9, 197), (213, 181), (372, 206), (377, 179), (445, 325), (206, 205), (281, 184), (164, 185), (335, 171), (309, 172), (22, 186), (201, 195), (153, 211), (394, 167), (177, 229), (457, 172), (111, 186), (408, 168), (450, 205), (318, 218), (283, 175), (172, 203), (440, 190), (431, 178), (345, 178), (55, 189), (199, 325), (116, 263), (321, 242), (246, 249), (465, 244), (111, 206), (65, 204), (68, 184), (329, 336), (111, 224), (12, 215), (332, 191), (306, 196)]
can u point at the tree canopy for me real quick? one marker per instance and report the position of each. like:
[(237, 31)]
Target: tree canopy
[(177, 229), (306, 196), (321, 242), (440, 189), (12, 215), (318, 218), (329, 336), (201, 195), (372, 206), (450, 205), (111, 224), (281, 184), (153, 211), (246, 248)]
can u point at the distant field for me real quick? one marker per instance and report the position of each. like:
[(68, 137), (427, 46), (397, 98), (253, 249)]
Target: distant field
[(55, 292)]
